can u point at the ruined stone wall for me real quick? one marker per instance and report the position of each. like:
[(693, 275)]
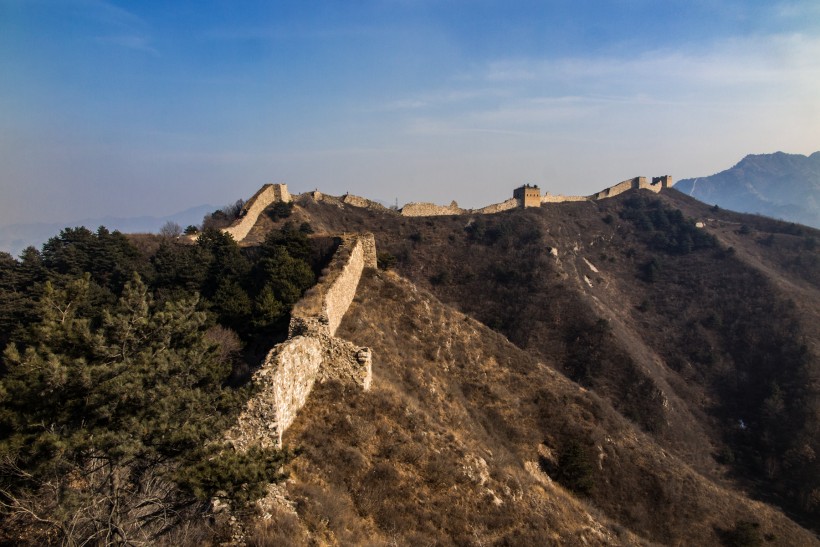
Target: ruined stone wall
[(664, 181), (357, 201), (431, 210), (619, 188), (269, 193), (511, 203), (311, 352), (551, 198), (321, 309), (341, 292), (285, 379), (655, 186)]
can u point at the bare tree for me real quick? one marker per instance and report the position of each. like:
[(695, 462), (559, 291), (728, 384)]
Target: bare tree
[(170, 229)]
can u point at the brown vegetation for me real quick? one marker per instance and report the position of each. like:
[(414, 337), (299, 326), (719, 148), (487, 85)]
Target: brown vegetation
[(657, 326)]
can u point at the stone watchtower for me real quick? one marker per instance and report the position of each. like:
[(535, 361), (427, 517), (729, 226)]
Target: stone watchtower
[(528, 195)]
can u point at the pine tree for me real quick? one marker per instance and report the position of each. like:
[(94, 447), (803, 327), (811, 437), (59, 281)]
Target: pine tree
[(108, 424)]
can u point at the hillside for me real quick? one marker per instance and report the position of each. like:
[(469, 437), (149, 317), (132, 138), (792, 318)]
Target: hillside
[(636, 370), (778, 185), (463, 439), (705, 338)]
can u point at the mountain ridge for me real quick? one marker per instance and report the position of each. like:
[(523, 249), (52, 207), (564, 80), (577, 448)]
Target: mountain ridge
[(650, 301), (779, 185)]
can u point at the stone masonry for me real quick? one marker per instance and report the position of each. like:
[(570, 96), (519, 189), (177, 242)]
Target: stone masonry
[(430, 210), (530, 196), (312, 352), (269, 193)]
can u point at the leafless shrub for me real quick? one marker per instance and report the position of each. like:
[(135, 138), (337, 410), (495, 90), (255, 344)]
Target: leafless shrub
[(170, 230)]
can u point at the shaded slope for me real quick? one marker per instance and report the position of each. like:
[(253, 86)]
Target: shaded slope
[(451, 446)]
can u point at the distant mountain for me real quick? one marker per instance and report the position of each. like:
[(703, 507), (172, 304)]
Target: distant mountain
[(16, 237), (785, 186)]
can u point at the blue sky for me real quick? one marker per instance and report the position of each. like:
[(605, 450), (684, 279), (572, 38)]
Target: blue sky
[(151, 107)]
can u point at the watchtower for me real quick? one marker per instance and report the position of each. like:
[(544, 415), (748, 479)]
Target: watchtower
[(528, 195)]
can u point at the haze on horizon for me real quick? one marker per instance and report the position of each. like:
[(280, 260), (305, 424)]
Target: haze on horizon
[(130, 109)]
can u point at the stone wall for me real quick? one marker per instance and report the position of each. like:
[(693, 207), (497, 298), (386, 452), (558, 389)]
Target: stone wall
[(323, 306), (285, 380), (664, 181), (269, 193), (347, 199), (431, 210), (311, 352), (551, 198), (619, 188), (511, 203)]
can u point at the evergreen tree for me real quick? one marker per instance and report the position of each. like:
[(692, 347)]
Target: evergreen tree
[(107, 424)]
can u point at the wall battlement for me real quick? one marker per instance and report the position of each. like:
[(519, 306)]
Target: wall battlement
[(311, 352)]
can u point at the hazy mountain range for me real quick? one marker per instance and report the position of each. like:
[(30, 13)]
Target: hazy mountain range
[(779, 185), (16, 237)]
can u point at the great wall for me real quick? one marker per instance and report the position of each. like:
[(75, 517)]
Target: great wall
[(524, 196), (530, 196), (312, 352)]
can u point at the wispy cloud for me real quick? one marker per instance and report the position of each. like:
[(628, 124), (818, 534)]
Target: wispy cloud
[(119, 27), (525, 94), (760, 59), (276, 32), (133, 42), (442, 98), (109, 13)]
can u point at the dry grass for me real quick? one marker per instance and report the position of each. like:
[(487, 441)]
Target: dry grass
[(436, 452)]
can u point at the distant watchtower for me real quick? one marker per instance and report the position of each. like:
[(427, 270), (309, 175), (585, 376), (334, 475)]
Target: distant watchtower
[(528, 195)]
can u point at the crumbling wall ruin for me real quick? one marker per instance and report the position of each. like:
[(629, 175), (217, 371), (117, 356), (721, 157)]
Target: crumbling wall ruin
[(347, 199), (511, 203), (656, 185), (311, 352), (431, 210), (552, 198)]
